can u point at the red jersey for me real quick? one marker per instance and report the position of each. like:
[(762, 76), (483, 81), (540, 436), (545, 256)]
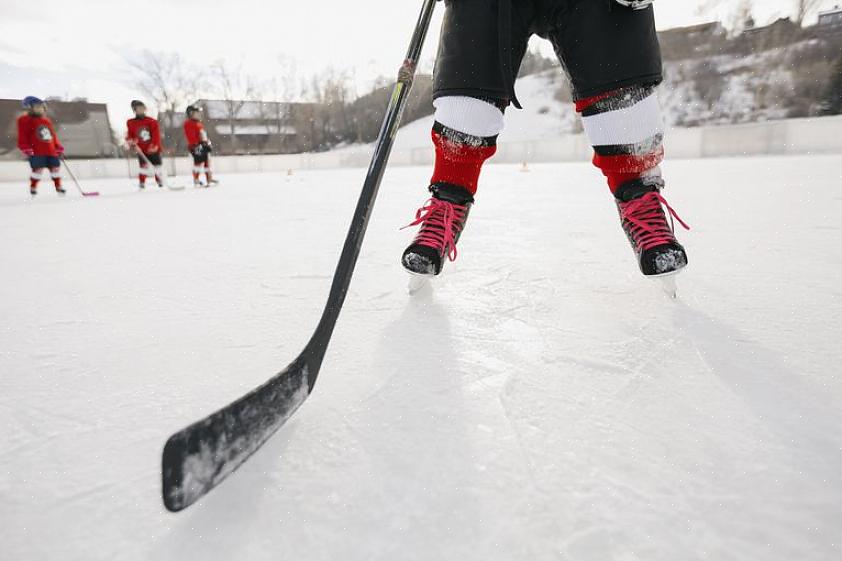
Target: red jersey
[(37, 134), (145, 132), (194, 132)]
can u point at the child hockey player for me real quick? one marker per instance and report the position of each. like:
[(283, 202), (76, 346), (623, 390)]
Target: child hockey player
[(611, 54), (199, 146), (144, 135), (38, 141)]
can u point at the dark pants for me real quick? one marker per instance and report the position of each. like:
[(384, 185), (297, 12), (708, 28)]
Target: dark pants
[(154, 159), (200, 153), (601, 45), (41, 162)]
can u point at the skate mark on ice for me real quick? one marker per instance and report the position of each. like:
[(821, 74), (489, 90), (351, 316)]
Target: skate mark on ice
[(780, 397), (307, 277)]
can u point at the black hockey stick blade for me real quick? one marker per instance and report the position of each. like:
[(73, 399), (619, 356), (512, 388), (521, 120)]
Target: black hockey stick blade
[(198, 458)]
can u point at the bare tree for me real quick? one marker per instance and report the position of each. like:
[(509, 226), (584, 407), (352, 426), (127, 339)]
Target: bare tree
[(235, 89), (742, 17), (804, 8), (168, 82), (275, 96), (331, 91)]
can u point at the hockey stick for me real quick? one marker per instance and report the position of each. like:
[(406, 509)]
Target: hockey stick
[(198, 458), (76, 181), (163, 177)]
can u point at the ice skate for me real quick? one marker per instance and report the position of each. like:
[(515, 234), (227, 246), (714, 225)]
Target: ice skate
[(651, 234), (442, 220)]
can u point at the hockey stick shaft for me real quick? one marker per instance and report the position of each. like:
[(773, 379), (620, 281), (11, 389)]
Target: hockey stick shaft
[(76, 181), (371, 186), (199, 457)]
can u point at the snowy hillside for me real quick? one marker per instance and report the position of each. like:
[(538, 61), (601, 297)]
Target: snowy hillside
[(543, 402), (768, 85)]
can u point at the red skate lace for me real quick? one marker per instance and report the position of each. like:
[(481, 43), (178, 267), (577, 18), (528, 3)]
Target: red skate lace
[(437, 219), (647, 222)]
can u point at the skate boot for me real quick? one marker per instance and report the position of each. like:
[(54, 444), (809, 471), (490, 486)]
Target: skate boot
[(60, 190), (33, 191), (442, 219), (652, 236)]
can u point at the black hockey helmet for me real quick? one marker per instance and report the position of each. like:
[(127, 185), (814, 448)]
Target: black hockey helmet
[(192, 109), (137, 103)]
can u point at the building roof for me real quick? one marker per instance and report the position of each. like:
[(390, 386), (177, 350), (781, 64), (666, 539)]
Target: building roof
[(831, 11), (710, 28), (249, 110)]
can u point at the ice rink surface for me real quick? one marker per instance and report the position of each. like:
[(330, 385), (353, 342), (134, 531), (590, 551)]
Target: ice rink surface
[(542, 402)]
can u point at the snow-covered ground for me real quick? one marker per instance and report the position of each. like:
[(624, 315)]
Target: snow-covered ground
[(542, 402)]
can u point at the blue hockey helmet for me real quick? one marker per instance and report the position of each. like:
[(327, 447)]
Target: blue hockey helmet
[(31, 101)]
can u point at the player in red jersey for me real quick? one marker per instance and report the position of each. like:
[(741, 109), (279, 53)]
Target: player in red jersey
[(144, 135), (38, 141), (199, 146)]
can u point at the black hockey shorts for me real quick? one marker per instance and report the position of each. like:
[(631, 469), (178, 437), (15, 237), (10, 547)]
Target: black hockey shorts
[(154, 159), (601, 45), (200, 153)]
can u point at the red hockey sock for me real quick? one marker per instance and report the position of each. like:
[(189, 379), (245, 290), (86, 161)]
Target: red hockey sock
[(626, 131), (459, 157), (34, 178)]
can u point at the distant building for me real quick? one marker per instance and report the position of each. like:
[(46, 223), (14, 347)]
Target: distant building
[(778, 33), (82, 127), (257, 127), (692, 41), (831, 18)]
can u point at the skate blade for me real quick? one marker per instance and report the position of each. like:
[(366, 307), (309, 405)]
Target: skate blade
[(417, 283), (668, 284)]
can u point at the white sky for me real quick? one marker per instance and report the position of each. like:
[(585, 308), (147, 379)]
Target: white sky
[(77, 48)]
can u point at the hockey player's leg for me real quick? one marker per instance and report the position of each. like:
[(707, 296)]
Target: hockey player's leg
[(626, 131), (34, 178), (615, 90), (198, 169), (465, 136), (471, 90), (209, 173), (142, 174), (157, 168), (55, 174)]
